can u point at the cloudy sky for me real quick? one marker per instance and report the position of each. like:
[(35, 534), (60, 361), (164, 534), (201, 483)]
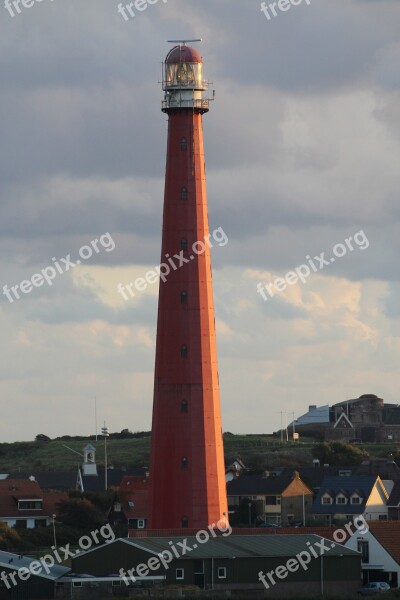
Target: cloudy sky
[(303, 149)]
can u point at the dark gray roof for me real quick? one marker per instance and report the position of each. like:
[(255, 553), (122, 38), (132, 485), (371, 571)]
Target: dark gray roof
[(248, 485), (240, 546), (96, 483), (50, 480), (334, 485), (15, 562), (394, 498)]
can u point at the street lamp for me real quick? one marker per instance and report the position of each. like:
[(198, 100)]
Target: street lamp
[(104, 432), (54, 531)]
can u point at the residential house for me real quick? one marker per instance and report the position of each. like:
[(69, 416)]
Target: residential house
[(340, 498), (130, 506), (235, 469), (380, 552), (278, 499), (24, 505)]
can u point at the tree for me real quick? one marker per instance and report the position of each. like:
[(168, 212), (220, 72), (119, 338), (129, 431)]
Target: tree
[(336, 453), (9, 538), (80, 513)]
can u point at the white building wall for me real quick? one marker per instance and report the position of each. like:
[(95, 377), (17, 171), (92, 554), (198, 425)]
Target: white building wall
[(376, 504), (378, 556)]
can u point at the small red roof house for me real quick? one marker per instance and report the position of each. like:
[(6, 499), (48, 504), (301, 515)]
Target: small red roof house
[(131, 503), (23, 504)]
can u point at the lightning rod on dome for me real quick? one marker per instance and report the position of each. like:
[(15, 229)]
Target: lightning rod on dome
[(184, 42)]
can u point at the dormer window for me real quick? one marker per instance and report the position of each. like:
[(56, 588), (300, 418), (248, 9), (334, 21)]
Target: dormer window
[(356, 499), (327, 499), (341, 499), (30, 504)]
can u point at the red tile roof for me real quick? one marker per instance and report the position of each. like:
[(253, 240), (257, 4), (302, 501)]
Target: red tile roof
[(12, 490), (133, 496), (388, 535)]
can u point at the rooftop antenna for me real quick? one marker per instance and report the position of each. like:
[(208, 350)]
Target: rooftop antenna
[(184, 42)]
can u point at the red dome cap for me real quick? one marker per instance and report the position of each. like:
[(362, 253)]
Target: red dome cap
[(180, 54)]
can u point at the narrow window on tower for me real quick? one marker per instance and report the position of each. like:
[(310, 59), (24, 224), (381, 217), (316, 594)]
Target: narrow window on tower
[(184, 522), (184, 406), (184, 297), (184, 193), (184, 351), (184, 144), (184, 463), (184, 244)]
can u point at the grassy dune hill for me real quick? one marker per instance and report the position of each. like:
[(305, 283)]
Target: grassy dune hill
[(257, 451)]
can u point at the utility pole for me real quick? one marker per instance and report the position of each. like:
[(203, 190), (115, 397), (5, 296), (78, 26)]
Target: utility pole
[(105, 433)]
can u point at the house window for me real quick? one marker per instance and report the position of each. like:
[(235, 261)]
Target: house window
[(131, 504), (326, 500), (141, 523), (184, 297), (382, 517), (30, 504), (184, 406), (117, 507), (180, 574), (363, 547), (272, 500), (341, 500), (184, 351), (77, 584), (184, 522), (356, 500), (184, 143), (184, 193), (221, 572), (184, 463), (184, 244), (116, 584)]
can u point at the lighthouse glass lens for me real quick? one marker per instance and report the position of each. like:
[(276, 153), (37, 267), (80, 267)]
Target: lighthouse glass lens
[(183, 75)]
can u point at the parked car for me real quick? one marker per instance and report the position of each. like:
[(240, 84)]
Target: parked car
[(375, 587), (296, 524)]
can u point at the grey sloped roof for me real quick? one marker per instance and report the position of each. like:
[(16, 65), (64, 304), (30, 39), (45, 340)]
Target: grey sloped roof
[(14, 562), (241, 546), (320, 414), (50, 480)]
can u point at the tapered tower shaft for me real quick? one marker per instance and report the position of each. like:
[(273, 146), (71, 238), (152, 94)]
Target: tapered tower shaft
[(187, 473)]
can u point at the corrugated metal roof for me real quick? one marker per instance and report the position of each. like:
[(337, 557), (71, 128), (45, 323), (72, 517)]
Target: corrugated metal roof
[(242, 546), (14, 562)]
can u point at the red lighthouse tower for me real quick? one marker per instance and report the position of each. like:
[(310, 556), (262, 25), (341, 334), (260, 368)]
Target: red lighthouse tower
[(187, 472)]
